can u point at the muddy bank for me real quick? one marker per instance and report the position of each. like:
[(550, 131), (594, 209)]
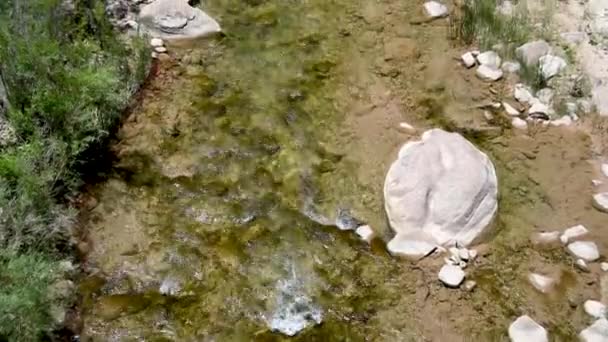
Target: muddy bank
[(233, 168)]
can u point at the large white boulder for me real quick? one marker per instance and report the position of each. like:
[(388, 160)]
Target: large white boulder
[(525, 329), (177, 19), (442, 186)]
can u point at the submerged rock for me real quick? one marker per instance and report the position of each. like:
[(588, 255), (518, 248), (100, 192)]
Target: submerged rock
[(177, 19), (442, 186), (294, 310), (525, 329), (597, 332)]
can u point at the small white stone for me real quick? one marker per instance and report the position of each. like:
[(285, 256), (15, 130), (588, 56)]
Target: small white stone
[(469, 285), (468, 59), (519, 123), (487, 115), (435, 9), (582, 265), (551, 65), (595, 309), (596, 182), (545, 238), (604, 266), (573, 233), (132, 24), (538, 108), (510, 109), (365, 232), (407, 128), (511, 67), (489, 58), (540, 282), (154, 55), (160, 49), (472, 254), (488, 73), (586, 250), (462, 264), (600, 201), (454, 252), (563, 121), (156, 42), (525, 329), (522, 93), (597, 332), (604, 169), (451, 276)]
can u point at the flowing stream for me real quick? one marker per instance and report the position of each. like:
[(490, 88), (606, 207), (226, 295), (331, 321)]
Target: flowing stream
[(246, 154)]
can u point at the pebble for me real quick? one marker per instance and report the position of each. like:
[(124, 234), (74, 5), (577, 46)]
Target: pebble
[(160, 49), (435, 9), (451, 276), (586, 250), (595, 309), (600, 201), (472, 254), (604, 266), (407, 128), (468, 59), (597, 332), (525, 329), (573, 233), (510, 109), (582, 265), (488, 73), (365, 232), (470, 285), (519, 123), (156, 42), (540, 282), (489, 58)]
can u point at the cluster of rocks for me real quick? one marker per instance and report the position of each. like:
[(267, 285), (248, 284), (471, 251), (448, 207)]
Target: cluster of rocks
[(159, 49), (452, 274), (583, 251), (600, 200)]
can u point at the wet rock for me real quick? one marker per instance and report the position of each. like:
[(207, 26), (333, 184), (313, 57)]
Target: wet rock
[(294, 310), (435, 9), (600, 201), (586, 250), (489, 58), (468, 60), (510, 109), (423, 195), (545, 95), (177, 19), (488, 73), (595, 309), (346, 221), (545, 238), (525, 329), (522, 93), (551, 65), (519, 123), (540, 282), (366, 233), (451, 276), (530, 53), (597, 332), (414, 245), (572, 233), (511, 67)]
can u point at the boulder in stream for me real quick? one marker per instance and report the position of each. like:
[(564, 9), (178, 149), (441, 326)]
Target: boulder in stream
[(441, 186)]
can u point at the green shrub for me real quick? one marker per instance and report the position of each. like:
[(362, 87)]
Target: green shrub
[(24, 299)]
